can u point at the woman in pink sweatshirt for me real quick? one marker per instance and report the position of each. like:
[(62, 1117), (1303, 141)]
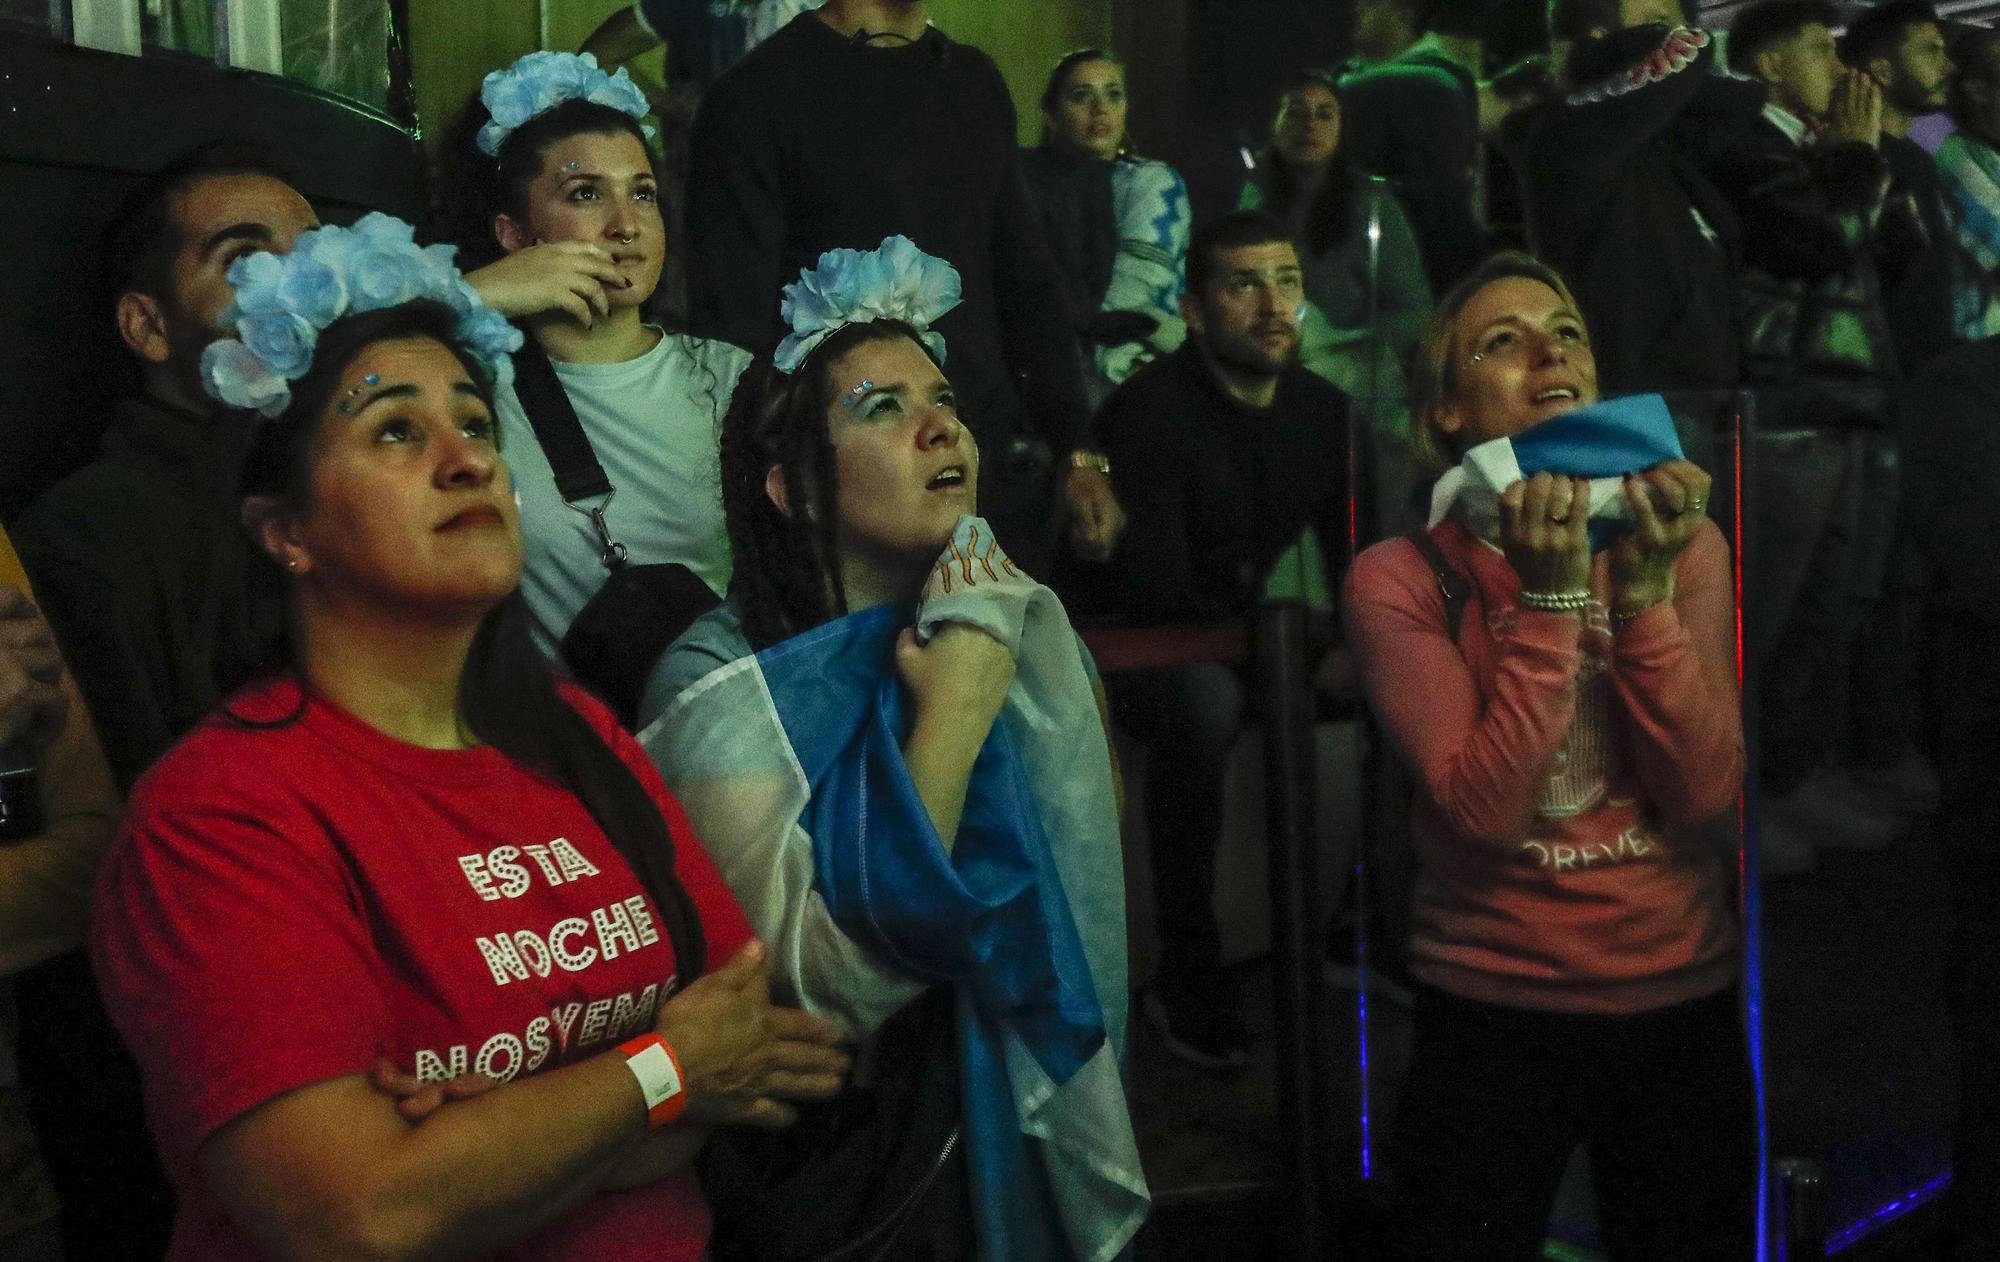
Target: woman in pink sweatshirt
[(1575, 934)]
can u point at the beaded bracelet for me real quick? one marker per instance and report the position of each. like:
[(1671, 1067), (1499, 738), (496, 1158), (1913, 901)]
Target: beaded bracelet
[(1554, 602), (1620, 620)]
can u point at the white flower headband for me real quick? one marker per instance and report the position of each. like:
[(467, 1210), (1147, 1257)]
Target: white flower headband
[(895, 281), (285, 301), (539, 82)]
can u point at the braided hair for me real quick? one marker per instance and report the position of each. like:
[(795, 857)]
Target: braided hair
[(507, 693), (787, 563)]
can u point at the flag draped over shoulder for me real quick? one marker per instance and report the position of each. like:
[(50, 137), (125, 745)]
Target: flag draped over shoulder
[(792, 759)]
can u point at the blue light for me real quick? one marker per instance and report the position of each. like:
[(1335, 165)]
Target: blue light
[(1367, 1140), (1874, 1222)]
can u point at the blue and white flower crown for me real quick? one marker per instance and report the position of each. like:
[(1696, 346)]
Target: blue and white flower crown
[(895, 281), (539, 82), (285, 301)]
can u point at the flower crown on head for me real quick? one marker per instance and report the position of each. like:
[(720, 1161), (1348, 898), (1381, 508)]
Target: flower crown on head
[(895, 281), (539, 82), (285, 301)]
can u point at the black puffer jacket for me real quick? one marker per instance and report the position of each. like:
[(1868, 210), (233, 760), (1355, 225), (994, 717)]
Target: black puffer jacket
[(1821, 238)]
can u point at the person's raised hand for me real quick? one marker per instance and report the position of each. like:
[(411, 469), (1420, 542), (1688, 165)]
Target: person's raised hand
[(574, 277), (1545, 532), (32, 703), (1669, 503), (1854, 112), (744, 1061), (961, 676)]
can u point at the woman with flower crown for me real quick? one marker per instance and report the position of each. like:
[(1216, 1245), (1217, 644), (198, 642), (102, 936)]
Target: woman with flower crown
[(897, 746), (556, 196), (409, 867)]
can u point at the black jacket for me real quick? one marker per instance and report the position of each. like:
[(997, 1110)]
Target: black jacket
[(812, 143), (1215, 491), (1414, 120), (1078, 212), (1617, 205), (1820, 235), (1920, 302), (160, 600)]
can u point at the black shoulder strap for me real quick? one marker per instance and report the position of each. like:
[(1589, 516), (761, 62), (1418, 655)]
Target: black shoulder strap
[(1452, 585), (579, 476)]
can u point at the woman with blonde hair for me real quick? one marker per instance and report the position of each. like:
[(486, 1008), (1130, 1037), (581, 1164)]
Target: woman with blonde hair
[(1568, 713)]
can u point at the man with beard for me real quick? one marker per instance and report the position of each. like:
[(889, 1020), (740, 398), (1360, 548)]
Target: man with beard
[(145, 575), (1901, 47), (1222, 452), (138, 557)]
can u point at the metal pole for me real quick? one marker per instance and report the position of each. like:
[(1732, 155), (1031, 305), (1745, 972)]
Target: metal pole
[(1771, 1246), (1298, 945)]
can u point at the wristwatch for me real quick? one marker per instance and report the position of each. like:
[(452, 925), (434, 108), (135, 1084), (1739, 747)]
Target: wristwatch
[(1097, 460)]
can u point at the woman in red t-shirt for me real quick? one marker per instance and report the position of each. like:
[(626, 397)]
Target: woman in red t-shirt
[(414, 865), (1570, 730)]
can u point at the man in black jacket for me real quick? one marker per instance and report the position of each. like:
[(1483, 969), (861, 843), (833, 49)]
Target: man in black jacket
[(1223, 453), (1820, 233), (858, 122), (1617, 201), (145, 575)]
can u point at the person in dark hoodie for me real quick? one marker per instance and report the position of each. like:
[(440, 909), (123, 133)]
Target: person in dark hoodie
[(1616, 201)]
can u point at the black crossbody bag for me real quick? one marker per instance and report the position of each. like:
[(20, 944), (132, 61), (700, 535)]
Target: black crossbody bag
[(619, 636)]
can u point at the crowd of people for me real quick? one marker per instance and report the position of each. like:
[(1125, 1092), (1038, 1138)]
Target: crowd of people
[(437, 584)]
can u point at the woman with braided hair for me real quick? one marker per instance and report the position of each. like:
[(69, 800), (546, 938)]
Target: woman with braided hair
[(409, 940), (895, 745)]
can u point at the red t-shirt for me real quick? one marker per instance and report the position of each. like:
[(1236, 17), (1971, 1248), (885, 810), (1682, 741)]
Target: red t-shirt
[(285, 904)]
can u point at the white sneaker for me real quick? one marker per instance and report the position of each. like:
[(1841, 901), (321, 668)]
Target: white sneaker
[(1910, 786), (1830, 812)]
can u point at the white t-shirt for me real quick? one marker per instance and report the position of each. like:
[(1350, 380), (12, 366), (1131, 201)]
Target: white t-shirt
[(654, 423)]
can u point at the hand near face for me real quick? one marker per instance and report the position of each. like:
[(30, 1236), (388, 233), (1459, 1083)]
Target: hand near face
[(1669, 503), (32, 703), (574, 277), (1095, 518), (1545, 532), (1854, 112)]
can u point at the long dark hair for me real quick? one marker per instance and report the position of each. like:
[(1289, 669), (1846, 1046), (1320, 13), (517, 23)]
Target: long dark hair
[(787, 564), (1059, 83), (470, 187), (508, 693), (1333, 205)]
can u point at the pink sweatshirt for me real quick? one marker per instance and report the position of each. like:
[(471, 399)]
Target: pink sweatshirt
[(1565, 774)]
